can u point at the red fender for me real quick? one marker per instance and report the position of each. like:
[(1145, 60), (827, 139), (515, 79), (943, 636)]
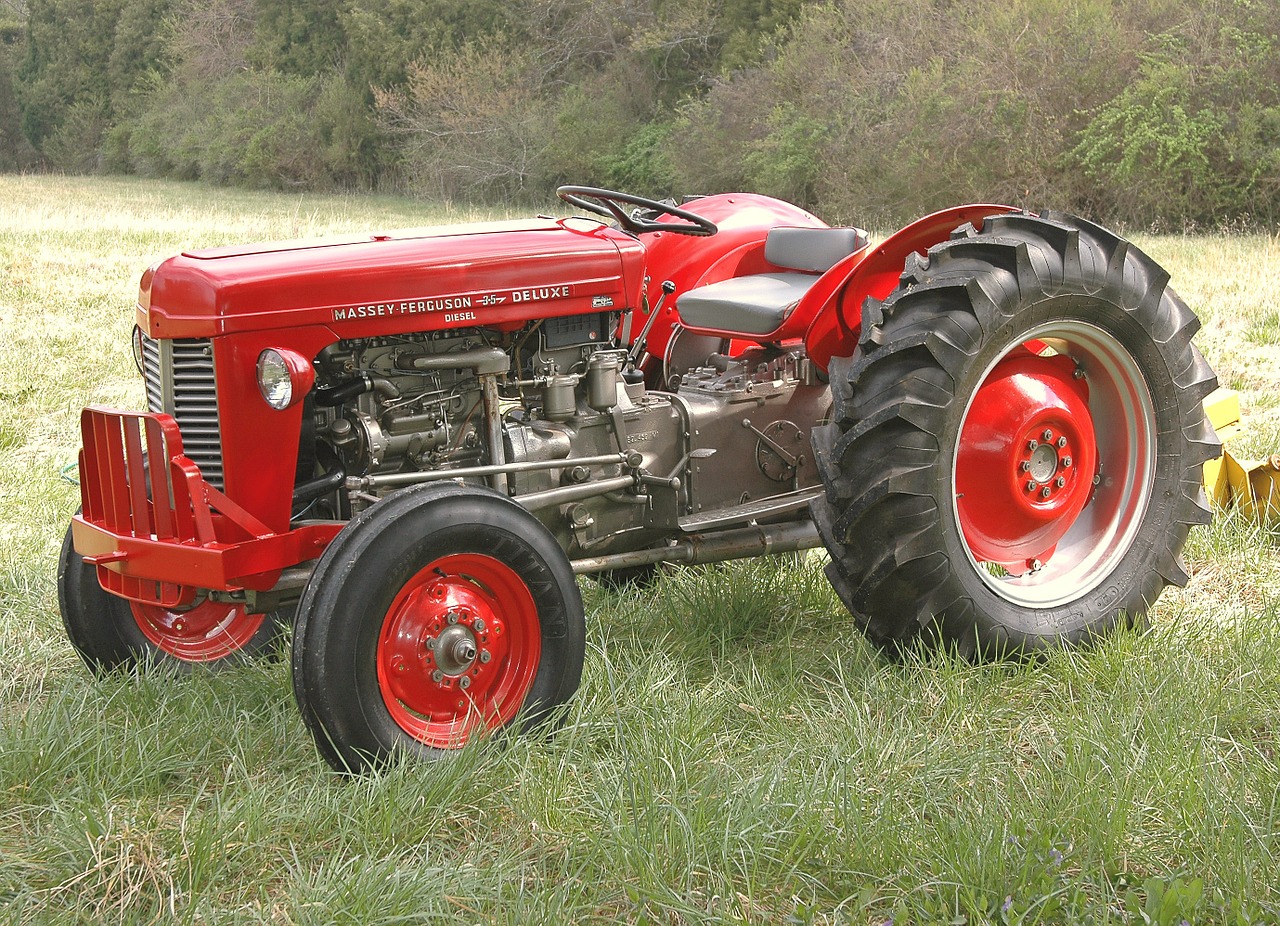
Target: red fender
[(874, 272)]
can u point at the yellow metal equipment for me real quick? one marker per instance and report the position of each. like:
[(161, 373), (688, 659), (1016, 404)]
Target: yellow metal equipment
[(1253, 486)]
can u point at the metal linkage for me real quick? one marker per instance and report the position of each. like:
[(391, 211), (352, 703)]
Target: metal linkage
[(395, 480), (742, 543)]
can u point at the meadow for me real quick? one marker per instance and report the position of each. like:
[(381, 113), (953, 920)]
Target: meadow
[(736, 754)]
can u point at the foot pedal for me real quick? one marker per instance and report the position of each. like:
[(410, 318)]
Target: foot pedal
[(751, 511)]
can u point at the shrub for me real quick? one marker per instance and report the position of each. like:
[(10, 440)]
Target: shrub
[(1196, 137), (470, 124), (1151, 147)]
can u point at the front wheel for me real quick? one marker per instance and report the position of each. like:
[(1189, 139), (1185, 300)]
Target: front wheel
[(112, 633), (440, 613), (1015, 455)]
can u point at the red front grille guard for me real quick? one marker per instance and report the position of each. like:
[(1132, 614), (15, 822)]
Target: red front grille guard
[(157, 531)]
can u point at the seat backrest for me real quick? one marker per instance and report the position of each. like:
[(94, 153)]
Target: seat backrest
[(813, 250)]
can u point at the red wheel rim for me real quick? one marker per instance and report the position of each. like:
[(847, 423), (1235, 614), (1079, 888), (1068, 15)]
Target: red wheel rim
[(459, 649), (210, 630), (1027, 459), (1046, 519)]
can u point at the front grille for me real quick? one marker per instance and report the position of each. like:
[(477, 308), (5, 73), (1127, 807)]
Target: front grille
[(180, 383)]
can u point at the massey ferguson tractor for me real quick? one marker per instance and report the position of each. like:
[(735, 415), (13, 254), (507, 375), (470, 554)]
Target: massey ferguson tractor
[(410, 444)]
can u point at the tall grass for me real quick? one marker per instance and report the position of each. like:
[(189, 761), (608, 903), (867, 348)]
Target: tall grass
[(736, 754)]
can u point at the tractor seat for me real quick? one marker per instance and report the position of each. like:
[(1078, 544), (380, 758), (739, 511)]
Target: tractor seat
[(758, 304)]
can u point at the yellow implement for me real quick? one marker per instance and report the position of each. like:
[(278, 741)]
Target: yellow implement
[(1253, 486)]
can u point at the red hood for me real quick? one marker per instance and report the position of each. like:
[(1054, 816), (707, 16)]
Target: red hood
[(503, 272)]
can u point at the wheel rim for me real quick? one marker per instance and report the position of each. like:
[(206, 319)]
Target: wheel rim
[(210, 630), (458, 650), (1040, 533)]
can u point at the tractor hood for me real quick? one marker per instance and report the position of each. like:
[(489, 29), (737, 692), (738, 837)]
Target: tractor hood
[(493, 274)]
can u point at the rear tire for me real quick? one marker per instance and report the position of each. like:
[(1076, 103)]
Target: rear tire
[(949, 516), (112, 633), (440, 613)]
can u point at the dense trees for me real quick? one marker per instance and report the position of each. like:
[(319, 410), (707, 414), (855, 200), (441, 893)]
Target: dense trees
[(1145, 111)]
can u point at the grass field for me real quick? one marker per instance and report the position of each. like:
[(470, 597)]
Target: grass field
[(736, 753)]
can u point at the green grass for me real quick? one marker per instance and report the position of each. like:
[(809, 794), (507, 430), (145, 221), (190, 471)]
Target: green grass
[(736, 754)]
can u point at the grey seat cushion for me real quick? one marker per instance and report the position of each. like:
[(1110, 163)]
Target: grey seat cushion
[(759, 303), (815, 250), (755, 304)]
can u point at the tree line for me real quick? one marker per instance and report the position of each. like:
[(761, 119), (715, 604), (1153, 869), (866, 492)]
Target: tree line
[(1144, 112)]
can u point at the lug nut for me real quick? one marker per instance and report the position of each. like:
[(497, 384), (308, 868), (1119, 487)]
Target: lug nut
[(1062, 442), (1048, 435), (1061, 482), (1031, 485), (1066, 462), (1097, 479), (464, 683), (1026, 466), (429, 642), (485, 656), (453, 617), (1032, 444), (437, 676), (478, 624), (1044, 493)]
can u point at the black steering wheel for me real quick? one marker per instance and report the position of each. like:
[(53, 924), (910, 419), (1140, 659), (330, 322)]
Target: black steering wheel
[(606, 203)]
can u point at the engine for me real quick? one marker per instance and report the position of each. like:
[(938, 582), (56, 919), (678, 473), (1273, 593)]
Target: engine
[(418, 402), (557, 389), (381, 406)]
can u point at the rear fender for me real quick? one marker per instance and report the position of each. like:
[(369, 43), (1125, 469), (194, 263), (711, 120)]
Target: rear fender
[(874, 272)]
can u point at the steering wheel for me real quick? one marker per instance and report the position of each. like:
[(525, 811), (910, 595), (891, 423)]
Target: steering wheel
[(606, 203)]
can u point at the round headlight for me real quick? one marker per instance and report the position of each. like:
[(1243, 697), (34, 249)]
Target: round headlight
[(137, 349), (283, 377)]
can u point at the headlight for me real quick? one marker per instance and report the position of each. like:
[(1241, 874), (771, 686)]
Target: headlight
[(137, 349), (284, 377)]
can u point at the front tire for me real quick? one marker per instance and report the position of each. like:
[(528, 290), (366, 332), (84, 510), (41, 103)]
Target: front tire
[(1015, 455), (112, 633), (438, 614)]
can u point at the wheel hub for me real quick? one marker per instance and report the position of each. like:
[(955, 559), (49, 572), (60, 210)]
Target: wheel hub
[(1042, 464), (1026, 459), (1055, 464), (459, 648), (202, 633), (455, 649)]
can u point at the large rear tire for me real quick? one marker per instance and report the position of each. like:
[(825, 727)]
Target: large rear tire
[(438, 614), (113, 633), (1015, 456)]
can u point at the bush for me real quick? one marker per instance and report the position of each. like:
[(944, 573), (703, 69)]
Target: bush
[(878, 112), (75, 144), (16, 152), (1151, 148), (1195, 139), (470, 124), (872, 112), (787, 162)]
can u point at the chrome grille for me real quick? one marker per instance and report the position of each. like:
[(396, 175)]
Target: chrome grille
[(151, 373), (180, 383)]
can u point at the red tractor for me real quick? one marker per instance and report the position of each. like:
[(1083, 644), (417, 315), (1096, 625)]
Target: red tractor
[(410, 444)]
